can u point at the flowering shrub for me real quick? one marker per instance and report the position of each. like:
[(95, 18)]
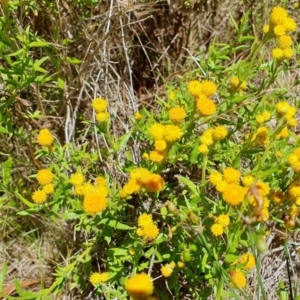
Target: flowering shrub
[(215, 168)]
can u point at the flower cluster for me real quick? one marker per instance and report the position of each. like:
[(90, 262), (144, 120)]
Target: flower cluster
[(280, 25), (221, 222), (97, 278), (45, 137), (147, 228), (247, 261), (142, 178), (265, 116), (294, 160), (237, 85), (100, 105), (286, 112), (211, 136), (167, 269), (44, 178), (140, 286), (202, 91), (261, 136), (238, 278)]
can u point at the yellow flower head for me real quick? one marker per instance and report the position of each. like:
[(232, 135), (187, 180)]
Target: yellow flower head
[(217, 229), (102, 116), (203, 149), (97, 278), (247, 180), (285, 41), (234, 194), (208, 88), (151, 231), (221, 186), (206, 140), (266, 28), (215, 177), (220, 133), (144, 220), (283, 133), (77, 179), (100, 181), (99, 105), (279, 30), (231, 175), (236, 83), (140, 174), (278, 15), (194, 88), (238, 278), (45, 137), (167, 269), (140, 286), (157, 131), (84, 189), (282, 108), (277, 196), (290, 24), (266, 115), (48, 188), (249, 260), (131, 187), (39, 196), (223, 220), (172, 95), (205, 106), (138, 116), (277, 53), (177, 114), (154, 183), (172, 133), (44, 176), (94, 203), (160, 145), (157, 156), (288, 53)]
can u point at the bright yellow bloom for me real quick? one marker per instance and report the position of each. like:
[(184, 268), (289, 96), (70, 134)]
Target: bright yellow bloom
[(279, 30), (283, 133), (277, 53), (144, 220), (261, 136), (238, 278), (131, 187), (215, 177), (157, 156), (217, 229), (194, 88), (145, 156), (203, 149), (231, 175), (140, 232), (288, 53), (262, 188), (154, 183), (177, 114), (234, 194), (84, 189), (290, 24), (260, 119), (292, 123), (236, 83), (151, 231), (77, 179), (220, 133), (285, 41), (102, 116), (181, 264), (247, 180), (139, 286), (39, 196), (208, 88), (138, 116), (94, 203), (282, 107), (160, 145), (223, 220), (44, 176), (157, 130), (99, 105), (172, 95), (100, 181), (167, 269), (140, 174), (48, 188), (278, 154), (267, 115), (266, 28), (206, 139), (205, 106), (221, 186), (172, 133), (249, 260), (97, 278), (45, 137), (278, 15)]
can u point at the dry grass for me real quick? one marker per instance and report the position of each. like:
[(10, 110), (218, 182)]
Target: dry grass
[(129, 53)]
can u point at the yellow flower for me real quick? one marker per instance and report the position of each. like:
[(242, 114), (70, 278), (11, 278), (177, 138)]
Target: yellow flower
[(156, 156), (288, 53), (236, 83), (221, 186), (140, 232), (172, 133), (277, 53), (223, 220), (97, 278), (140, 174), (102, 116), (154, 183), (44, 176), (206, 139), (215, 177), (145, 156), (279, 30), (181, 264), (234, 194), (205, 106), (100, 181), (45, 137), (144, 220), (151, 231), (249, 260), (278, 15), (177, 114), (39, 196), (131, 187), (266, 115), (278, 154), (283, 133), (217, 229), (290, 24), (203, 149), (157, 130), (77, 179), (48, 188), (138, 116), (220, 133), (139, 286), (266, 28), (99, 105), (172, 95), (208, 88), (167, 269), (160, 145), (247, 180), (231, 175), (194, 88), (94, 203), (84, 189), (238, 278), (292, 123), (282, 108), (285, 41)]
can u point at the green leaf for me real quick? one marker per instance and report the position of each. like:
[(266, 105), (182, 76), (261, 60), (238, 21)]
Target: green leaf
[(3, 130), (38, 44), (116, 224), (73, 60), (191, 185), (7, 168), (60, 83), (121, 142), (3, 274), (25, 201)]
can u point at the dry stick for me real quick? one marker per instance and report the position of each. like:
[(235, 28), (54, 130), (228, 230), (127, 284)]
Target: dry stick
[(195, 60)]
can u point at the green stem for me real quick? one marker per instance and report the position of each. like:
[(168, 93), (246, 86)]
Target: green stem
[(287, 258)]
